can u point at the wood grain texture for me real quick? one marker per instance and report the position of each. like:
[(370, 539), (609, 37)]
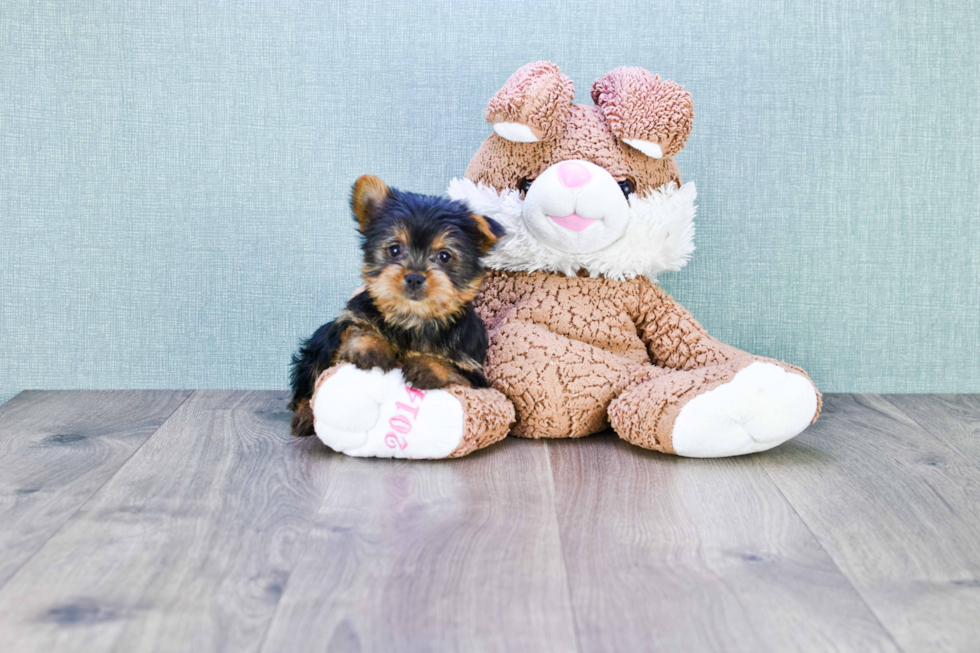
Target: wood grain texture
[(187, 548), (57, 449), (898, 511), (954, 419), (218, 531), (673, 554), (460, 555)]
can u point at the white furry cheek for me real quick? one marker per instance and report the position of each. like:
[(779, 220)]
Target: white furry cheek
[(659, 234)]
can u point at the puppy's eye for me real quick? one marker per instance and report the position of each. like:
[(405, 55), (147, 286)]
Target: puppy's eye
[(445, 256), (627, 187), (394, 251), (525, 185)]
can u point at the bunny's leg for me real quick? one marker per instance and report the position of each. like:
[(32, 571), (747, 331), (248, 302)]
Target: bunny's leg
[(738, 407), (561, 388), (371, 413)]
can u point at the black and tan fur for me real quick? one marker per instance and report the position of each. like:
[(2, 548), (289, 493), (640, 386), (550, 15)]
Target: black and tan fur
[(421, 271)]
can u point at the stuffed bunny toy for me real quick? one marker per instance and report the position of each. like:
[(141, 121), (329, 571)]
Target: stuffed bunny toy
[(581, 337)]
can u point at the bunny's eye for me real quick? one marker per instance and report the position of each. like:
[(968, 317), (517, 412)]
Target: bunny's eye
[(627, 187), (525, 185)]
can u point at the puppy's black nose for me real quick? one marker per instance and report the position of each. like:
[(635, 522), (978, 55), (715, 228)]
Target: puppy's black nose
[(414, 281)]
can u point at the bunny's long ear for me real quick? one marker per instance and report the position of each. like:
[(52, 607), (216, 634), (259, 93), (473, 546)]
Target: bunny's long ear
[(533, 105), (652, 115)]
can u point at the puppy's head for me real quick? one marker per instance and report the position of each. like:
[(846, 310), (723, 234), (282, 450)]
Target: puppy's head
[(421, 253)]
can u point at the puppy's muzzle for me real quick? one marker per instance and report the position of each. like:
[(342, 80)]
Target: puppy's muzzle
[(414, 284)]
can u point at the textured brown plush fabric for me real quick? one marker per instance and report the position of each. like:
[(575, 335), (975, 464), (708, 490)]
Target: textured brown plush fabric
[(640, 105), (644, 414), (538, 96), (578, 354), (487, 416), (586, 135), (572, 355)]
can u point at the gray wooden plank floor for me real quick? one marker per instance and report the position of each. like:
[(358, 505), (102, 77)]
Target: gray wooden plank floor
[(141, 521), (703, 557), (57, 449), (445, 555), (898, 511)]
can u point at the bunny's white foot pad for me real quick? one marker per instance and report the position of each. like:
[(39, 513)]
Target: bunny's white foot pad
[(761, 407), (376, 414)]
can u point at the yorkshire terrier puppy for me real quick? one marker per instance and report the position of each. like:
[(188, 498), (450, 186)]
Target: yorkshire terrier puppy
[(421, 272)]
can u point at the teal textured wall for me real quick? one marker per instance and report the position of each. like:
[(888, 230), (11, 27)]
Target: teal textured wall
[(173, 175)]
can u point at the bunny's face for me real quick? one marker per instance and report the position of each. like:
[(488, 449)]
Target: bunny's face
[(579, 175)]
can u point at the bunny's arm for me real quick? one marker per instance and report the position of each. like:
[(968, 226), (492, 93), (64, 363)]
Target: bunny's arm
[(674, 339)]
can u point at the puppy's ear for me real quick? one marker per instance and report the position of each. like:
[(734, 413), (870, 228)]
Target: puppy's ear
[(490, 231), (367, 196)]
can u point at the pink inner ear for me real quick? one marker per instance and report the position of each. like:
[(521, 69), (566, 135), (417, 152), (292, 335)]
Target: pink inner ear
[(639, 105), (537, 95)]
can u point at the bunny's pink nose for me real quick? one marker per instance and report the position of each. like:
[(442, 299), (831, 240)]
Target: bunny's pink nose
[(573, 175)]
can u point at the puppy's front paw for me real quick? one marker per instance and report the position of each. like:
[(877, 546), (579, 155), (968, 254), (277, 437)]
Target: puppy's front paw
[(367, 359), (431, 373), (366, 349), (302, 423)]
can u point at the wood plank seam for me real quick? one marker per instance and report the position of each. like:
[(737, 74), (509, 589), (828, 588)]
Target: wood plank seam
[(306, 537), (561, 542), (674, 554), (830, 557), (897, 512), (95, 492), (950, 445), (189, 544)]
